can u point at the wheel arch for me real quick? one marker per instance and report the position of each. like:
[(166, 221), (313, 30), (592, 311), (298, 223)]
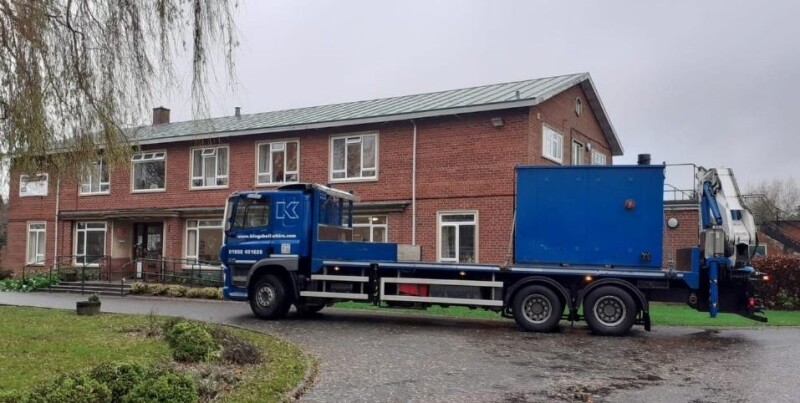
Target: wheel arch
[(282, 268), (545, 281)]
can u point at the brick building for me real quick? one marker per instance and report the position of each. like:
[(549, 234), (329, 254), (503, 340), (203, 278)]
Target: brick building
[(434, 169)]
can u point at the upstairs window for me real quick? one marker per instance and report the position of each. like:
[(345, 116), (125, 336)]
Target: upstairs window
[(149, 171), (210, 167), (95, 179), (277, 162), (552, 144), (354, 157), (577, 153), (598, 158), (35, 185)]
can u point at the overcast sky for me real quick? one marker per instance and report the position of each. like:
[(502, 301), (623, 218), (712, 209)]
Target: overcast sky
[(709, 82)]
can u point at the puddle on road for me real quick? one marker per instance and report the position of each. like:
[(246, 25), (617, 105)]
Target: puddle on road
[(574, 365)]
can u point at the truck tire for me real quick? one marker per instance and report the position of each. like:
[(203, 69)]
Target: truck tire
[(609, 311), (269, 298), (537, 309), (308, 309)]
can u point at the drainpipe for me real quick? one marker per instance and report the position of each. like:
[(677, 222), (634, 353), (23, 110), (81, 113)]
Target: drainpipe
[(55, 244), (414, 186)]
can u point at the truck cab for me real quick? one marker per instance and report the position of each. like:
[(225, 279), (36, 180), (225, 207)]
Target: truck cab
[(286, 234)]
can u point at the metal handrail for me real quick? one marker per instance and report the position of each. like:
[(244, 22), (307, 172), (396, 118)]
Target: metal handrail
[(688, 195), (168, 267)]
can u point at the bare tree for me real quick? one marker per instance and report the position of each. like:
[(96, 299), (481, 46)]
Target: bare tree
[(775, 200), (73, 73)]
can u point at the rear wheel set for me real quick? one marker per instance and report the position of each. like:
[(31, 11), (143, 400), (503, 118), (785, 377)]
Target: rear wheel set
[(537, 309), (610, 311)]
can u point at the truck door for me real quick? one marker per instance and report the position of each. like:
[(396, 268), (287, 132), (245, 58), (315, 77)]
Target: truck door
[(248, 235)]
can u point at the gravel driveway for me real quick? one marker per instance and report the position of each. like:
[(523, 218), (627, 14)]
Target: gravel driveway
[(377, 357)]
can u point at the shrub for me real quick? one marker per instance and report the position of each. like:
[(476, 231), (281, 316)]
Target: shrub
[(176, 291), (5, 273), (120, 379), (31, 283), (77, 388), (168, 387), (158, 289), (211, 292), (782, 291), (191, 342), (194, 292), (139, 288), (236, 350)]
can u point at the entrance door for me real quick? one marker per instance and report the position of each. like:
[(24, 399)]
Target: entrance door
[(148, 246)]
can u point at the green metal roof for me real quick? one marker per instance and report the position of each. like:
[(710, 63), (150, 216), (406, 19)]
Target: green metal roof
[(465, 100)]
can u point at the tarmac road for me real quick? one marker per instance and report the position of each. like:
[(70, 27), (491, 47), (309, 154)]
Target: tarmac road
[(377, 357)]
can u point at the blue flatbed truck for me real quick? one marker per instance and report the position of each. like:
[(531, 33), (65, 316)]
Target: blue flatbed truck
[(587, 245)]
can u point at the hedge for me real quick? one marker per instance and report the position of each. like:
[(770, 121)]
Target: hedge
[(782, 291)]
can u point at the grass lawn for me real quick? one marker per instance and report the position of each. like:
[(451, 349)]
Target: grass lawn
[(661, 315), (37, 344)]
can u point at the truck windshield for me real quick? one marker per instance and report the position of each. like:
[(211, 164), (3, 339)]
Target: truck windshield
[(250, 213)]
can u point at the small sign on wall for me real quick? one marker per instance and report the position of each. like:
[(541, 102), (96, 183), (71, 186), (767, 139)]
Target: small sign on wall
[(35, 185)]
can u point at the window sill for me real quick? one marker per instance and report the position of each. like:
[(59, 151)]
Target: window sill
[(557, 161), (34, 264), (275, 184), (149, 190), (94, 194), (354, 180), (201, 188)]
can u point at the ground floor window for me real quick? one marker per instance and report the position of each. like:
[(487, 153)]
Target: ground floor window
[(36, 242), (370, 228), (458, 237), (203, 240), (90, 242)]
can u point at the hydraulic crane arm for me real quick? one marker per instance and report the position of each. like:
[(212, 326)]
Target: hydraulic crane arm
[(722, 208)]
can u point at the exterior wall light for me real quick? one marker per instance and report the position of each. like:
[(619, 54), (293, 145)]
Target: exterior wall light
[(497, 122)]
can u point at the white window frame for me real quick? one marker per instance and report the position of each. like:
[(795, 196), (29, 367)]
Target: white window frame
[(87, 179), (349, 139), (371, 225), (269, 163), (457, 224), (551, 138), (87, 229), (37, 261), (196, 228), (27, 179), (212, 151), (582, 157), (599, 158), (139, 158)]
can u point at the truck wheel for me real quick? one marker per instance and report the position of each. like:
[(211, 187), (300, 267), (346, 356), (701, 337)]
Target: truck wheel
[(537, 309), (609, 311), (268, 299), (308, 309)]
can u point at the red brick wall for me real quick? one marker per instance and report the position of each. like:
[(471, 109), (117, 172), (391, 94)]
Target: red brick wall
[(559, 114), (463, 163), (685, 235)]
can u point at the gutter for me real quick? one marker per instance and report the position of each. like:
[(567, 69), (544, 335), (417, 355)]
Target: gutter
[(414, 185), (55, 225)]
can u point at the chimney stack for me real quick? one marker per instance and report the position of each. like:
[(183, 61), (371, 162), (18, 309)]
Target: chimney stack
[(238, 112), (160, 115)]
